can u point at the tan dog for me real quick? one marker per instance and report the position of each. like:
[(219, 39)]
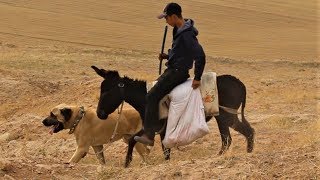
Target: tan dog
[(89, 130)]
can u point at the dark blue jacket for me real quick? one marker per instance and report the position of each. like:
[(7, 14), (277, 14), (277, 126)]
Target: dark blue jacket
[(185, 49)]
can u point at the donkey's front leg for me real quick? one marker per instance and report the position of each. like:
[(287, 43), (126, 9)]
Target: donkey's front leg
[(131, 145)]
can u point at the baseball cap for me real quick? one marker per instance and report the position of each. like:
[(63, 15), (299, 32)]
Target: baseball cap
[(170, 9)]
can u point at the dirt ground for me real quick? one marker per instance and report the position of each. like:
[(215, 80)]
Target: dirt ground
[(47, 48)]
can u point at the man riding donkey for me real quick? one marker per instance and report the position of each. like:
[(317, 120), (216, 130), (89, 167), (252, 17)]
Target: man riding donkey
[(185, 49)]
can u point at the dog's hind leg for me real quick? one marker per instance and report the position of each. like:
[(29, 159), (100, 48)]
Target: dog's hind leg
[(142, 149), (99, 153), (81, 152)]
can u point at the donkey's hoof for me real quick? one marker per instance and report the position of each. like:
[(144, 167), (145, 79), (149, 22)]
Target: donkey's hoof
[(128, 161), (166, 153), (250, 144), (221, 152), (126, 164)]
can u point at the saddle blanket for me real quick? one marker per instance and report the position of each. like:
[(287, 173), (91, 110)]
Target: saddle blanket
[(209, 93)]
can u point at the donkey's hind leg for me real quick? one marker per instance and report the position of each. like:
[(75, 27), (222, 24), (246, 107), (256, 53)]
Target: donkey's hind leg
[(166, 151), (245, 129), (224, 123)]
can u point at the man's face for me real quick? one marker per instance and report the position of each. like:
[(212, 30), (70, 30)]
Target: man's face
[(171, 20)]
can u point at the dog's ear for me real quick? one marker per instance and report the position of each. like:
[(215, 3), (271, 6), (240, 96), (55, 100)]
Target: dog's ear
[(67, 113)]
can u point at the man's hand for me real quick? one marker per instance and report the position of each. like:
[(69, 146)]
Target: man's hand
[(163, 56), (195, 84)]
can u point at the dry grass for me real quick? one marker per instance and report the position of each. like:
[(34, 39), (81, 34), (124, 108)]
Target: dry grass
[(286, 126)]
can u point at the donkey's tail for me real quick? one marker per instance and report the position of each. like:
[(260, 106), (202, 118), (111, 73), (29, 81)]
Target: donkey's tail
[(243, 103)]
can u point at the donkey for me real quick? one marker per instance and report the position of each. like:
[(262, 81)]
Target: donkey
[(231, 93)]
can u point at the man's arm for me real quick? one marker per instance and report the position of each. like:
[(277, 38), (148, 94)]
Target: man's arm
[(198, 70), (199, 64), (194, 49)]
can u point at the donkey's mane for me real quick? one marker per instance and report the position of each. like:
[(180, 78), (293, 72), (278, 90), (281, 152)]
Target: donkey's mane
[(135, 82)]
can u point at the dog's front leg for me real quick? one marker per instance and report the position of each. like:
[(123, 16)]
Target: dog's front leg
[(99, 153), (81, 152)]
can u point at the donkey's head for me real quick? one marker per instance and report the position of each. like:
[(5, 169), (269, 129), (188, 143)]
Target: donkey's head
[(111, 94)]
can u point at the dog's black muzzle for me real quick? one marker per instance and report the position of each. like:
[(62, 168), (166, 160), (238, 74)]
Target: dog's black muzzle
[(56, 125)]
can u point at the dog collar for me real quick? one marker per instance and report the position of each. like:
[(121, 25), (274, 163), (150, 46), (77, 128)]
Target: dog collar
[(78, 118)]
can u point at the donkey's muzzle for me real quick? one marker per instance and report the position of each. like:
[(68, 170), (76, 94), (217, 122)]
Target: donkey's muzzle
[(102, 115)]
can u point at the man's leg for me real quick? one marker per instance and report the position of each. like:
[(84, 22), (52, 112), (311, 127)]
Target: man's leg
[(166, 82)]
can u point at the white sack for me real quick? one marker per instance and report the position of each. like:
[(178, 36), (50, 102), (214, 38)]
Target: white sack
[(186, 119)]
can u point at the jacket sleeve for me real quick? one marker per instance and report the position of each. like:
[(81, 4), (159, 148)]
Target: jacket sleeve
[(195, 50), (199, 64)]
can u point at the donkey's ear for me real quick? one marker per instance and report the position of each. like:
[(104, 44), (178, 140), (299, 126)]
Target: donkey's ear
[(106, 74), (100, 72), (111, 74)]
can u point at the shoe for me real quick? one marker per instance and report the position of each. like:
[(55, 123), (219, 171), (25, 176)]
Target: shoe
[(144, 139)]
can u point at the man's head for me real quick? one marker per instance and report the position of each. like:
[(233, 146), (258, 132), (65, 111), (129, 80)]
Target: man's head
[(172, 14)]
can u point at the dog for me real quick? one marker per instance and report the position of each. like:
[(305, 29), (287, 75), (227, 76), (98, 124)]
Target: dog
[(89, 130)]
